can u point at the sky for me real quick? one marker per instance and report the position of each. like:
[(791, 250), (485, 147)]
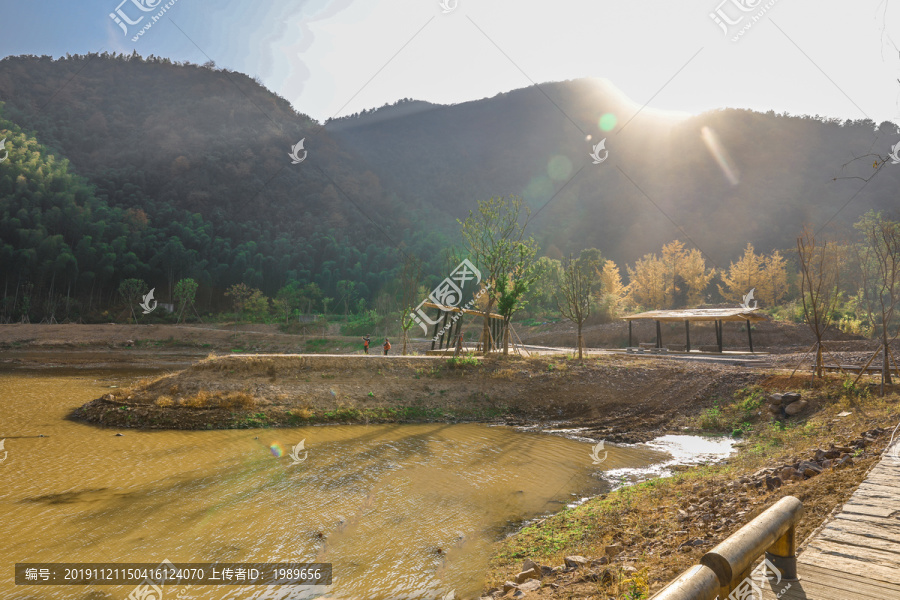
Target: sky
[(337, 57)]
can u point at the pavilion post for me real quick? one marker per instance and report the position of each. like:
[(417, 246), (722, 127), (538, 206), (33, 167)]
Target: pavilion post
[(720, 335), (630, 345), (749, 336), (658, 335), (437, 318), (687, 334)]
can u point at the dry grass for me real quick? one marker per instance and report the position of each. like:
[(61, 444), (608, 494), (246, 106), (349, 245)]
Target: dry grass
[(238, 401), (164, 401), (642, 518)]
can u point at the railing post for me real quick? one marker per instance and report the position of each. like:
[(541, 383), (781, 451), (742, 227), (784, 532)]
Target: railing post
[(783, 554)]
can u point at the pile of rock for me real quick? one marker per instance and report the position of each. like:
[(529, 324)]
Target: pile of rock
[(786, 405), (835, 457), (532, 574)]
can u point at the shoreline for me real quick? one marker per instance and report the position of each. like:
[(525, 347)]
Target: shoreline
[(618, 399)]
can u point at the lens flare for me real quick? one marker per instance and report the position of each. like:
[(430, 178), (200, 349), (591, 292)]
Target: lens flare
[(720, 154), (277, 450), (608, 122), (559, 168)]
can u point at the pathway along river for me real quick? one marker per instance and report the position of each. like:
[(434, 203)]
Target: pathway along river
[(402, 511)]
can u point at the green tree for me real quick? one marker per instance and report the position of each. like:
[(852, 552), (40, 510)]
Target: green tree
[(495, 239), (185, 294), (576, 290), (239, 293), (132, 291)]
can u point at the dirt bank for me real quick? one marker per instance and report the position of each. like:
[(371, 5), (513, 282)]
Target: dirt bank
[(630, 543), (621, 398)]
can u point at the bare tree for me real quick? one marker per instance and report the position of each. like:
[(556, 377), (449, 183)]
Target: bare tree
[(820, 264), (575, 292), (878, 270)]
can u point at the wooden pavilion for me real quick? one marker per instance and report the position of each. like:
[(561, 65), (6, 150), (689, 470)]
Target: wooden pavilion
[(717, 315)]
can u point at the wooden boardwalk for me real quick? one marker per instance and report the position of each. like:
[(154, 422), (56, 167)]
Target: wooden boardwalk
[(856, 554)]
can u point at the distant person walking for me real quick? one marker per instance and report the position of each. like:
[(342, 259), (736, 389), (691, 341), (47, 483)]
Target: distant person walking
[(387, 346), (366, 344)]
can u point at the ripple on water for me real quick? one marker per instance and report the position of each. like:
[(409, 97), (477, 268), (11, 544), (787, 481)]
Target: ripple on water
[(402, 511)]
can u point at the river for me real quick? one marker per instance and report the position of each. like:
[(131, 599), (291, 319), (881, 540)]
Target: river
[(401, 511)]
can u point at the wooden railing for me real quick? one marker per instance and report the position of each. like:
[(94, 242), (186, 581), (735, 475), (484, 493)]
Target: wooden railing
[(725, 566)]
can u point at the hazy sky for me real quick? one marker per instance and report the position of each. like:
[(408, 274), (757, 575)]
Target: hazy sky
[(334, 57)]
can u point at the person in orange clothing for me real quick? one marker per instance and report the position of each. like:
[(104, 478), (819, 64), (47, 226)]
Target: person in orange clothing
[(387, 346)]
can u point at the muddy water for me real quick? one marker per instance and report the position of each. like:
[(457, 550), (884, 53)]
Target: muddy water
[(406, 511)]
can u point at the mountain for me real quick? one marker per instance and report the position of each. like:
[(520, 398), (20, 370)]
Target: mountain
[(662, 179), (123, 166), (198, 157)]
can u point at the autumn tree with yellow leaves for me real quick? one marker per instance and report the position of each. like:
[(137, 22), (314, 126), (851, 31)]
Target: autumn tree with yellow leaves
[(678, 277), (767, 274)]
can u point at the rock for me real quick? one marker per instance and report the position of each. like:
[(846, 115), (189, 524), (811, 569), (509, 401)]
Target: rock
[(789, 397), (682, 515), (575, 561), (603, 560), (612, 550), (546, 571), (509, 585), (788, 473), (775, 399), (826, 464), (809, 469), (820, 455), (846, 461), (526, 575), (775, 409), (120, 434), (795, 408), (530, 586), (629, 569), (773, 483), (530, 564)]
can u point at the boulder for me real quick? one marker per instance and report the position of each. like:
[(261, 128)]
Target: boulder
[(530, 564), (600, 562), (509, 585), (773, 483), (810, 469), (790, 397), (526, 575), (530, 586), (788, 473), (575, 561), (844, 461), (795, 408), (775, 399)]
